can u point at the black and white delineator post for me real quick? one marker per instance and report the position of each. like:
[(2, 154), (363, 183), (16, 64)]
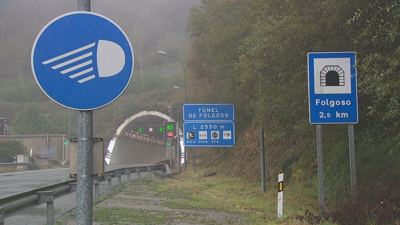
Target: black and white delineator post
[(280, 196)]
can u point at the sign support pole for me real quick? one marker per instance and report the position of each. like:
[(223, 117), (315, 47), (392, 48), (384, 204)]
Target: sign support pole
[(83, 5), (320, 170), (170, 151), (84, 192), (262, 154), (185, 156), (178, 147), (194, 159), (262, 151), (352, 156)]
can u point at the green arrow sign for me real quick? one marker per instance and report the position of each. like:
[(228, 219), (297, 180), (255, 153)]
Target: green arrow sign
[(170, 127)]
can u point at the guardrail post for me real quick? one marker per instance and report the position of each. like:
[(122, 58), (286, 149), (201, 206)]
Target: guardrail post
[(150, 172), (72, 187), (118, 174), (96, 190), (2, 216), (128, 176), (109, 179), (47, 196), (165, 169), (137, 170)]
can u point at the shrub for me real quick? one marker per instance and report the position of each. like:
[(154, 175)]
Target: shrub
[(10, 149)]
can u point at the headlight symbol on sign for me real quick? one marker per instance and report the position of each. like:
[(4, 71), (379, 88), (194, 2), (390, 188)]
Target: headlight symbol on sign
[(82, 60), (110, 60)]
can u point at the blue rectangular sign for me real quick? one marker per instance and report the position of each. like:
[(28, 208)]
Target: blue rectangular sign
[(208, 112), (209, 134), (332, 88)]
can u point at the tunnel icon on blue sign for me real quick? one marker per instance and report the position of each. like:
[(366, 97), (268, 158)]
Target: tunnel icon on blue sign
[(78, 63), (332, 76)]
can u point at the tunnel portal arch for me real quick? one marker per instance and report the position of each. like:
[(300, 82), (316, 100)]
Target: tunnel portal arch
[(125, 125), (138, 115)]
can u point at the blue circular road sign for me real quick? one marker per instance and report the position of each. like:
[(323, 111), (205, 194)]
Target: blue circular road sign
[(82, 60)]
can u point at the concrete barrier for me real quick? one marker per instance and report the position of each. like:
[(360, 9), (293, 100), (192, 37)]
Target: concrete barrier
[(165, 173)]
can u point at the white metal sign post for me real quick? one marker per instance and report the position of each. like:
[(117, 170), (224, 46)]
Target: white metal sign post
[(332, 95), (83, 61)]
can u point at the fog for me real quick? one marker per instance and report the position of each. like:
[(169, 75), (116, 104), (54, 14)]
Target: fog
[(151, 25)]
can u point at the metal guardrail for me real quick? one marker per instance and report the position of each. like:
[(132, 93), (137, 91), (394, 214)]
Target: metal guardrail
[(14, 164), (12, 205)]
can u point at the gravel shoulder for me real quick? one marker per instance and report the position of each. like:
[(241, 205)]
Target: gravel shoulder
[(144, 203)]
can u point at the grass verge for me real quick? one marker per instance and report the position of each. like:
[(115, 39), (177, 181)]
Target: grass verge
[(235, 195)]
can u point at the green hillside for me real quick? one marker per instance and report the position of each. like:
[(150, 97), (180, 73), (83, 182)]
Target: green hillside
[(252, 54), (255, 56)]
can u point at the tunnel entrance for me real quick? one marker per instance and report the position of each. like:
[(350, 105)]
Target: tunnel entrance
[(132, 146)]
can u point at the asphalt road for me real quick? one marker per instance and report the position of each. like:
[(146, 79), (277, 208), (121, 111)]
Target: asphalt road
[(13, 183), (17, 182)]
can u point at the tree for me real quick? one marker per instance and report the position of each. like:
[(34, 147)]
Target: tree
[(264, 44), (30, 121), (9, 149), (378, 63)]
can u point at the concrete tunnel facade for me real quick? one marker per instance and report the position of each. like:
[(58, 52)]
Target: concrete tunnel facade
[(123, 149)]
